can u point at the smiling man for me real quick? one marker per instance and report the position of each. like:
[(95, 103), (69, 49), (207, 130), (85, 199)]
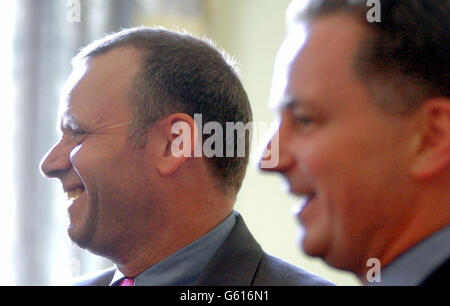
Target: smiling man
[(162, 218), (364, 136)]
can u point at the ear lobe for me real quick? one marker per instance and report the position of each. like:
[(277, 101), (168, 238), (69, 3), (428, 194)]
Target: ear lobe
[(180, 134), (434, 153)]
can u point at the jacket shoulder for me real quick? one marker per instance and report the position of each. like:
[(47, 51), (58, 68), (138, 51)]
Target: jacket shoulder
[(439, 276), (273, 271)]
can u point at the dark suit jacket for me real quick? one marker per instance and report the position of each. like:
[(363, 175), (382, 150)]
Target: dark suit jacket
[(440, 276), (240, 261)]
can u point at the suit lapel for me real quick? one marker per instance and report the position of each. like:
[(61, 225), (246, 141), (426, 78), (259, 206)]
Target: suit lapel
[(236, 262)]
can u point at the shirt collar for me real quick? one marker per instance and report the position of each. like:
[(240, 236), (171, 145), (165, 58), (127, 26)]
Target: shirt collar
[(415, 265), (185, 265)]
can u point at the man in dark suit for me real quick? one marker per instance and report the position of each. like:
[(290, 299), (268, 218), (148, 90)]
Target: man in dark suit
[(150, 188), (364, 137)]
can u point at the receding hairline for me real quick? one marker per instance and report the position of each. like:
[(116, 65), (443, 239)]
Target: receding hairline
[(379, 83), (403, 53), (132, 37)]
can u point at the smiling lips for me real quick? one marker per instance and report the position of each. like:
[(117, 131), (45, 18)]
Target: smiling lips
[(74, 194), (305, 199)]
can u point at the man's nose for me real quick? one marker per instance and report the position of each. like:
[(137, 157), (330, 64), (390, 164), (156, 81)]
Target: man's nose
[(56, 162), (269, 157), (275, 157)]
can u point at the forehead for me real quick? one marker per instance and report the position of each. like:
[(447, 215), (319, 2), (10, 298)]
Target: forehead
[(315, 58), (291, 46), (99, 87)]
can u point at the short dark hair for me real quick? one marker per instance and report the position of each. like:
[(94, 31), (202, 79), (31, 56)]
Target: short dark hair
[(182, 73), (405, 58)]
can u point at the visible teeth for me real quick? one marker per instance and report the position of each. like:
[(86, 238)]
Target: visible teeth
[(74, 194)]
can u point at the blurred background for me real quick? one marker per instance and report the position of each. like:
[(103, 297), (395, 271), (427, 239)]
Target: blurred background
[(38, 41)]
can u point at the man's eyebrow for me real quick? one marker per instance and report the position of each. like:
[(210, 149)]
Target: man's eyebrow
[(68, 122), (289, 102)]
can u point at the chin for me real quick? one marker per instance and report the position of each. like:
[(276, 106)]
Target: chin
[(335, 256), (313, 250), (313, 240), (81, 230), (78, 237)]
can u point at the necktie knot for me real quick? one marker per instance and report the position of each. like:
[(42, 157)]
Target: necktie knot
[(127, 282)]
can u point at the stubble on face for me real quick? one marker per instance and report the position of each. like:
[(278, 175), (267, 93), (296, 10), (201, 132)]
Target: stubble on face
[(98, 105)]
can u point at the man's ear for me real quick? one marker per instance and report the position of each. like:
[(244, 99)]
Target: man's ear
[(180, 135), (434, 152)]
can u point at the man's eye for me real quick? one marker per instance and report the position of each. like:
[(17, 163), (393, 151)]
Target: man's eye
[(78, 132), (303, 120)]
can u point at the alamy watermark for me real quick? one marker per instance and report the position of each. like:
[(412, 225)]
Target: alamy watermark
[(74, 267), (374, 13), (373, 275), (214, 146), (73, 13)]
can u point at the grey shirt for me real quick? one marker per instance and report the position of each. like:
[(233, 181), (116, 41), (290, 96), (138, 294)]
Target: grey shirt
[(415, 265), (184, 266)]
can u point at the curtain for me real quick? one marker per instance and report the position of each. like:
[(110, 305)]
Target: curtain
[(45, 39), (38, 42)]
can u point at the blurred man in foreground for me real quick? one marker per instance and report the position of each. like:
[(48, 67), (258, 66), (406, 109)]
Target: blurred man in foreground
[(364, 136)]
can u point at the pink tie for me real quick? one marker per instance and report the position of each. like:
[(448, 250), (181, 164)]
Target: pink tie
[(127, 282)]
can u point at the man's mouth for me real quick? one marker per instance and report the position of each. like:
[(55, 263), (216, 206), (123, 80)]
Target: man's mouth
[(305, 199), (74, 194)]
